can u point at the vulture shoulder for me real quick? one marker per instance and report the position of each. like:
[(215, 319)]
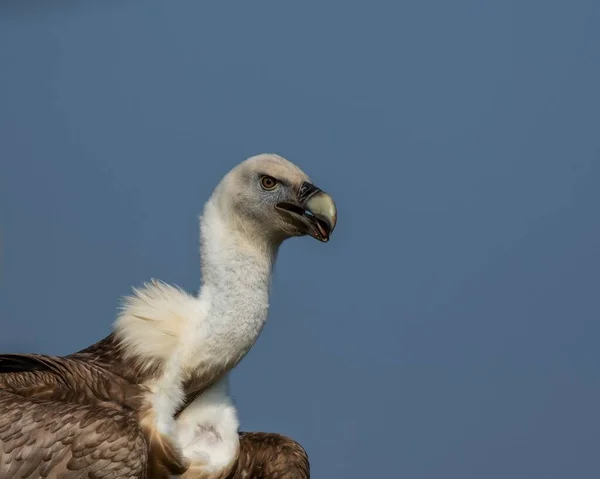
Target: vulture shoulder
[(66, 380)]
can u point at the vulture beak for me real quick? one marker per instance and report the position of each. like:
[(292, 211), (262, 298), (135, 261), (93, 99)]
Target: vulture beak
[(314, 210)]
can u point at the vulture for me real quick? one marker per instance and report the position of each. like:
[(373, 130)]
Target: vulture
[(151, 399)]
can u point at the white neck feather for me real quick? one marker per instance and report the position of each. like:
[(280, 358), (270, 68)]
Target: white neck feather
[(236, 264), (236, 277)]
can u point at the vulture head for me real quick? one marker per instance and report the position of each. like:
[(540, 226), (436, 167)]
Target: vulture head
[(268, 196)]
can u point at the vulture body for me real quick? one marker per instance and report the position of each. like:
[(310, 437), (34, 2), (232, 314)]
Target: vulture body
[(71, 418), (151, 399)]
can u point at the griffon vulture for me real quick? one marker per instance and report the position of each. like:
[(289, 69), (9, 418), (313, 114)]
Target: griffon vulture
[(151, 399)]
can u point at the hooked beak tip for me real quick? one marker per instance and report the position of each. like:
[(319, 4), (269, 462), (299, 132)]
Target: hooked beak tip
[(322, 207)]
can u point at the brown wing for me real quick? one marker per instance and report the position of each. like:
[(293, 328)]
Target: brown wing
[(270, 456), (60, 380), (40, 438)]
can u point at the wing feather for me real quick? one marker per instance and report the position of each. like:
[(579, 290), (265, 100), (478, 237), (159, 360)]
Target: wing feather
[(271, 456), (66, 380), (40, 438), (60, 381)]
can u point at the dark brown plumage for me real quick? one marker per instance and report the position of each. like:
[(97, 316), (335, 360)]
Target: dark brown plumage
[(270, 456), (81, 416), (56, 412), (77, 395), (42, 438)]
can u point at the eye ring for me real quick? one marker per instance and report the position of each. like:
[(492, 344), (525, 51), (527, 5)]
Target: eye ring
[(268, 183)]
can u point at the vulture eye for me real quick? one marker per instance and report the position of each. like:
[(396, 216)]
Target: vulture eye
[(268, 182)]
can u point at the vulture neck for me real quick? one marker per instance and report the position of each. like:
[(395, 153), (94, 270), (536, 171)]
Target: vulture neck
[(237, 265), (163, 332)]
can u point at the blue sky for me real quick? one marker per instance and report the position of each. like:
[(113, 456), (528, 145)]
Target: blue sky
[(452, 328)]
